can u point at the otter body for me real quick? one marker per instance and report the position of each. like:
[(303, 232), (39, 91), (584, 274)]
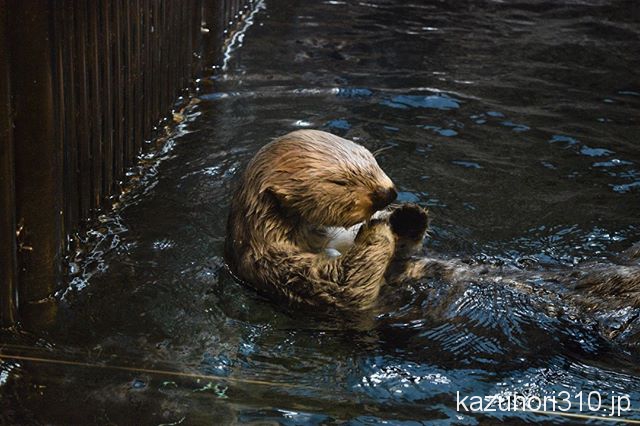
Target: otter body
[(300, 226)]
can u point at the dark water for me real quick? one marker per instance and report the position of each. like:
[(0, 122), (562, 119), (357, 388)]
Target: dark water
[(516, 123)]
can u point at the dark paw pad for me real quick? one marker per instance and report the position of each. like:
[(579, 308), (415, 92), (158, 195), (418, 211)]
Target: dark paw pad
[(409, 221)]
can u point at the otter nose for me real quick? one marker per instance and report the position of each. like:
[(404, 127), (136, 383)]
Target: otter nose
[(382, 197)]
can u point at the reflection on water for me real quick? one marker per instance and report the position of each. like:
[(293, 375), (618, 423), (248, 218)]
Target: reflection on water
[(516, 123)]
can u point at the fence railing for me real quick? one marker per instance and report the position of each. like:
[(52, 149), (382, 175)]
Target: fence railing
[(82, 84)]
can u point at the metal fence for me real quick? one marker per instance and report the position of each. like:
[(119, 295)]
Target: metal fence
[(82, 84)]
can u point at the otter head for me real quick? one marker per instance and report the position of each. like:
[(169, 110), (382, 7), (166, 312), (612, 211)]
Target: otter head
[(322, 178)]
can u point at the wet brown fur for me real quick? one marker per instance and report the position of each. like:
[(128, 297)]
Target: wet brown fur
[(292, 192), (593, 287)]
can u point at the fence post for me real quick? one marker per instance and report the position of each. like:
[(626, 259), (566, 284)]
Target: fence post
[(38, 151), (213, 19), (8, 269)]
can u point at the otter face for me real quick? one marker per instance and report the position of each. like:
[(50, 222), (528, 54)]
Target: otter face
[(325, 179)]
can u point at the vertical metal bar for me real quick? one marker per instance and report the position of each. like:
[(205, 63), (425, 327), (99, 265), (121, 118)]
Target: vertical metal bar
[(147, 89), (153, 66), (186, 14), (8, 246), (70, 163), (155, 78), (128, 84), (190, 17), (59, 71), (194, 16), (174, 53), (106, 97), (131, 99), (150, 54), (196, 50), (82, 108), (228, 7), (182, 47), (38, 153), (165, 66), (179, 30), (165, 48), (185, 43), (95, 76), (162, 65), (116, 67), (155, 71), (177, 61), (138, 98), (214, 18)]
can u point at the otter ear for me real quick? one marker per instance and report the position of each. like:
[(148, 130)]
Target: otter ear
[(275, 192), (278, 186)]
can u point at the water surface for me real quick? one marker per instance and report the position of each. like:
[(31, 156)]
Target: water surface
[(515, 123)]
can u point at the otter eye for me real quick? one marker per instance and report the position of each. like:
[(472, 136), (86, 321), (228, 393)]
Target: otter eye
[(338, 182)]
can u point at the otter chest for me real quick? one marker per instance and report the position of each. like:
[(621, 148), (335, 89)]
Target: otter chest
[(333, 241)]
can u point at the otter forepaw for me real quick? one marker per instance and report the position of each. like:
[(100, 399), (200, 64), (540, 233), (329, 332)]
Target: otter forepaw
[(409, 221), (375, 231)]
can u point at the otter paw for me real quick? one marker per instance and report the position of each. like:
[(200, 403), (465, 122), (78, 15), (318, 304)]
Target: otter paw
[(375, 232), (409, 221)]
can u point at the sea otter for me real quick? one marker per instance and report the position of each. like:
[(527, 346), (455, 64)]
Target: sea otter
[(307, 222)]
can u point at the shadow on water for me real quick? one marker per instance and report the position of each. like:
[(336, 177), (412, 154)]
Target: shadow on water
[(515, 123)]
